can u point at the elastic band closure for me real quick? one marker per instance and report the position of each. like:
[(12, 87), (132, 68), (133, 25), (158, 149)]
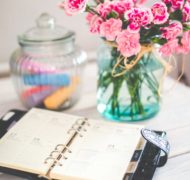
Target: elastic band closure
[(159, 141)]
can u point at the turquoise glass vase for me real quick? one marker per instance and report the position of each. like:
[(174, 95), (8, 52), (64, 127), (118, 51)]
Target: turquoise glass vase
[(133, 96)]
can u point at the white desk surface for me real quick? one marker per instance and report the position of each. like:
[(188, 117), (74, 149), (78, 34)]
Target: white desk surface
[(174, 117)]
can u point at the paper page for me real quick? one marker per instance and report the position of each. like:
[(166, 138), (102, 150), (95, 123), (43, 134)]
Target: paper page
[(32, 139), (103, 153)]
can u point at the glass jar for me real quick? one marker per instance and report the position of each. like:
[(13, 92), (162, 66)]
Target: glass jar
[(47, 68), (132, 96)]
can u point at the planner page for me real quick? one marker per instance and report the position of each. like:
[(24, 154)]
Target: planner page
[(103, 152), (27, 144)]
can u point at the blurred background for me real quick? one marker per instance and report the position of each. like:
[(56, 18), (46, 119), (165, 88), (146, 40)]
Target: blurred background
[(17, 16)]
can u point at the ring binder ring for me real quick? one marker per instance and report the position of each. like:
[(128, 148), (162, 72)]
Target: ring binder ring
[(75, 130), (55, 152), (79, 126), (49, 158), (86, 121), (81, 120), (60, 149), (84, 129), (63, 146), (75, 126), (54, 159)]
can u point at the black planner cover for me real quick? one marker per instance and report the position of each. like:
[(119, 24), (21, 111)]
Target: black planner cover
[(143, 163)]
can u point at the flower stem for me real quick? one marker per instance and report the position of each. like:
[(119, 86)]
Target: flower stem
[(140, 83)]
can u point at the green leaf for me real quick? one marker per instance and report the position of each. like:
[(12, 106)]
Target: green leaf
[(176, 15), (147, 34), (91, 10), (186, 27), (159, 40), (112, 14)]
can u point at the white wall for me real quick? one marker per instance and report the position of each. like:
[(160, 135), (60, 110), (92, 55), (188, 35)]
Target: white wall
[(16, 16)]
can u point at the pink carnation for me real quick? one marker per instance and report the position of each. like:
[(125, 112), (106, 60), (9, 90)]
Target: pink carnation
[(140, 1), (128, 43), (121, 6), (177, 4), (160, 14), (173, 46), (118, 6), (104, 9), (89, 17), (138, 17), (186, 12), (174, 29), (94, 23), (185, 43), (111, 28), (170, 47), (167, 1), (72, 7)]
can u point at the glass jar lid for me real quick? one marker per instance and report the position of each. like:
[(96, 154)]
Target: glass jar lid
[(45, 32)]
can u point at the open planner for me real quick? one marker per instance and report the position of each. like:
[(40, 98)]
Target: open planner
[(54, 145)]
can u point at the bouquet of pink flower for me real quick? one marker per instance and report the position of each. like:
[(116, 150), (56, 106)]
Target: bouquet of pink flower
[(132, 30), (130, 25)]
